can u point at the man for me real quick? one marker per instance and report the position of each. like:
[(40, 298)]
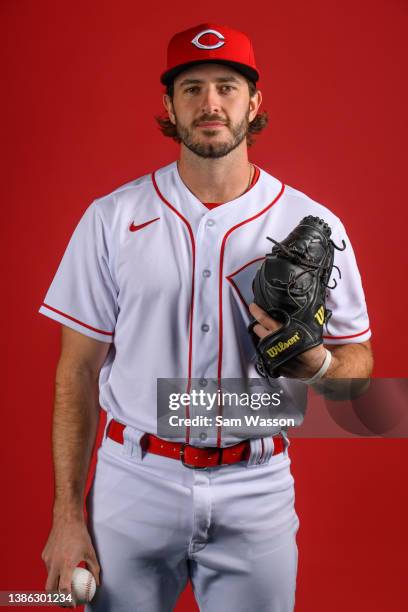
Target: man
[(156, 283)]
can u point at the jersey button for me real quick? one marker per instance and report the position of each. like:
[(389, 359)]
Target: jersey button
[(203, 382), (205, 327), (210, 222), (206, 273), (203, 436)]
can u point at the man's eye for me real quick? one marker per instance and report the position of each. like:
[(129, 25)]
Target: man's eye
[(226, 88), (192, 89)]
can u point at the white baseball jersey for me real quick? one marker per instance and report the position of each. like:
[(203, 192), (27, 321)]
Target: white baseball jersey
[(167, 281)]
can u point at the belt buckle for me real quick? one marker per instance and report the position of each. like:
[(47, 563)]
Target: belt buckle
[(195, 467)]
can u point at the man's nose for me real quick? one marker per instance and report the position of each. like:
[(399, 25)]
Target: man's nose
[(210, 102)]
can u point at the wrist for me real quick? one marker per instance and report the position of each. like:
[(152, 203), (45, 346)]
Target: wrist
[(68, 510), (322, 371)]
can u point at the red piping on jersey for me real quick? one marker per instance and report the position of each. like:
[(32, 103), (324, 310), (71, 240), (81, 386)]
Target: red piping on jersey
[(245, 266), (229, 278), (224, 241), (100, 331), (190, 343), (345, 337), (238, 293)]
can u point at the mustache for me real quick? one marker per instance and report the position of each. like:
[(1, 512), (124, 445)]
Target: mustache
[(205, 118)]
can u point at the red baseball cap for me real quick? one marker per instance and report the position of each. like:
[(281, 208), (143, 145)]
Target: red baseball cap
[(209, 42)]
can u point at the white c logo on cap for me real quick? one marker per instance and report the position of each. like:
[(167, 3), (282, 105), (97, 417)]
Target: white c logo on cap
[(196, 40)]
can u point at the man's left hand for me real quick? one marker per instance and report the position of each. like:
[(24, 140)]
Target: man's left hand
[(304, 365)]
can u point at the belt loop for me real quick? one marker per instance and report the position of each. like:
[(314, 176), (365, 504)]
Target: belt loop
[(131, 442), (286, 441), (256, 453), (268, 448), (107, 424)]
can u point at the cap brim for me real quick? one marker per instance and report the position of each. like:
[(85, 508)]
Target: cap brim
[(248, 72)]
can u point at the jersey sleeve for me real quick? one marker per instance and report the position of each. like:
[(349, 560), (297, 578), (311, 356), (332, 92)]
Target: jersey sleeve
[(349, 322), (83, 294)]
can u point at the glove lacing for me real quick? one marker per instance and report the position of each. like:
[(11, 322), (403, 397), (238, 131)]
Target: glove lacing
[(310, 268)]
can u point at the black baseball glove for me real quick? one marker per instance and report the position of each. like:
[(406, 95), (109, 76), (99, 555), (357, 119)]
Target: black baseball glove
[(291, 287)]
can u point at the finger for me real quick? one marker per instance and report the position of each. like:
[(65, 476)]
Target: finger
[(65, 587), (265, 320), (261, 331), (52, 580), (255, 310), (67, 604), (65, 580), (94, 567)]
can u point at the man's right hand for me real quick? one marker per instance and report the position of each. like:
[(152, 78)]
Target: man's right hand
[(75, 423), (68, 544)]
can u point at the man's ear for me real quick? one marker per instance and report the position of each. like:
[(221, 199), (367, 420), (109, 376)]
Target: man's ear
[(254, 104), (168, 105)]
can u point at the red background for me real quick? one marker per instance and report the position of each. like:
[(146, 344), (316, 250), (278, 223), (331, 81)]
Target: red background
[(80, 90)]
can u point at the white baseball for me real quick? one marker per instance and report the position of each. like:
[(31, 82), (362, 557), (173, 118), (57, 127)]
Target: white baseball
[(83, 585)]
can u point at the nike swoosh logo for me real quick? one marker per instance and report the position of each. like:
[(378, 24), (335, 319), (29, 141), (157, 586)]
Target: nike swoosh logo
[(134, 228)]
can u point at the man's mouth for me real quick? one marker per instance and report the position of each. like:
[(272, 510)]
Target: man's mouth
[(211, 124)]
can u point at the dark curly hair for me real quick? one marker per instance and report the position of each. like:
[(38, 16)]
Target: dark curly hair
[(256, 126)]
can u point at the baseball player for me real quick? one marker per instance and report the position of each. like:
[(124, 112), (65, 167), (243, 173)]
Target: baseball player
[(156, 283)]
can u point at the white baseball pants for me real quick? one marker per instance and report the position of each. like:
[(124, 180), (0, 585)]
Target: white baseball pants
[(156, 523)]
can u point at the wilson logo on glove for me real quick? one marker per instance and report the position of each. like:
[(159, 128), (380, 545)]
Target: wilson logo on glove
[(319, 316), (282, 346), (291, 287)]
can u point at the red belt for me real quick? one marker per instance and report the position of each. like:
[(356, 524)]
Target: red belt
[(192, 456)]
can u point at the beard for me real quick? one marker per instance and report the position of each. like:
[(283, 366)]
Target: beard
[(238, 132)]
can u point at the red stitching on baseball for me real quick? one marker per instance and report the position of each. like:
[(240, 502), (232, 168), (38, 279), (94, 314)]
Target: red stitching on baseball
[(88, 587)]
